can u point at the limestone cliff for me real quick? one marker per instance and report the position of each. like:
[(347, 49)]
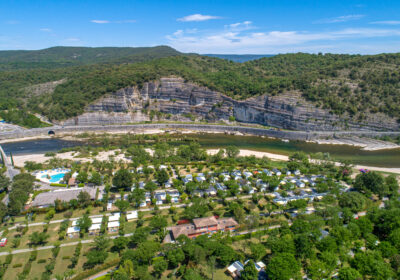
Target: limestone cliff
[(175, 99)]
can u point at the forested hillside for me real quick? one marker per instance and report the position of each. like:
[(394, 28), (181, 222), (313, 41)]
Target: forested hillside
[(57, 57), (354, 85)]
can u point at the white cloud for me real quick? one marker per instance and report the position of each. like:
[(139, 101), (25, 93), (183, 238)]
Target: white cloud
[(98, 21), (197, 17), (387, 22), (240, 26), (234, 41), (339, 19), (45, 29)]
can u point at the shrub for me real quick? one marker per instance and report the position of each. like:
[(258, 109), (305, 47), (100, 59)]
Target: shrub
[(41, 261), (33, 256), (66, 257), (58, 185), (8, 259), (17, 265)]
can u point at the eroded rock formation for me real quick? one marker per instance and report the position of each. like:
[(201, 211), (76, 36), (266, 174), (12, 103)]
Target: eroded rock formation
[(175, 99)]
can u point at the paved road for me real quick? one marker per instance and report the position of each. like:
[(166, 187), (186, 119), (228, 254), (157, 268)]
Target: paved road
[(10, 173)]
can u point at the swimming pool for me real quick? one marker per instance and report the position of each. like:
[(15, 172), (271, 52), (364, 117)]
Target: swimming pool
[(56, 177)]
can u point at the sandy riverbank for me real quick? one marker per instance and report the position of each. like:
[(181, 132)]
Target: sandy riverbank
[(367, 144), (20, 160)]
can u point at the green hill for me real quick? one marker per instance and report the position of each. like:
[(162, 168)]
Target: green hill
[(57, 57), (345, 84)]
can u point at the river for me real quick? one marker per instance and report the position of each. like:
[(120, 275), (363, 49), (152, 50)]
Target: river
[(380, 158)]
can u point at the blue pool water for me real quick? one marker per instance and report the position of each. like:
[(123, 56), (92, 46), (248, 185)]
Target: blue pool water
[(57, 177)]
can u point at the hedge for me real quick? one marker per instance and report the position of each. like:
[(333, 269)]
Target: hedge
[(104, 266), (58, 185), (17, 265)]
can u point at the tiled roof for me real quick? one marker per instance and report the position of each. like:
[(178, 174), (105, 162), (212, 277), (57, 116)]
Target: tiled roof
[(204, 222)]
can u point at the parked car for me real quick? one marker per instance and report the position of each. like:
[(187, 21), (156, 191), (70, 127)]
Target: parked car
[(3, 242)]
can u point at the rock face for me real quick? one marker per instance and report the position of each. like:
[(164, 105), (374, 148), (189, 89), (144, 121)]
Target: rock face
[(175, 99)]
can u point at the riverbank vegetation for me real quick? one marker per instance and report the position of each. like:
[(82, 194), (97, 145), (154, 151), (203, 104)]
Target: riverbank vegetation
[(350, 85)]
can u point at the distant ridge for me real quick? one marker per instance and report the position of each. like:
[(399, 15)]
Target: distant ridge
[(57, 57), (239, 57)]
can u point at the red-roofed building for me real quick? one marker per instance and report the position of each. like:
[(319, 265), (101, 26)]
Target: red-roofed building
[(200, 226)]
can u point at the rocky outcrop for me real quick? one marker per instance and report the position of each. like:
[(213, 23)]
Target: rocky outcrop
[(175, 99)]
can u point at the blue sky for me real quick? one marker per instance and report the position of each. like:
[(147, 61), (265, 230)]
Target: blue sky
[(240, 27)]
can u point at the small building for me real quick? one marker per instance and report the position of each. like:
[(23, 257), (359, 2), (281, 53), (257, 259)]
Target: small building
[(130, 216), (247, 174), (113, 226), (94, 229), (220, 186), (114, 217), (277, 172), (211, 191), (109, 206), (97, 220), (72, 182), (73, 232), (237, 267)]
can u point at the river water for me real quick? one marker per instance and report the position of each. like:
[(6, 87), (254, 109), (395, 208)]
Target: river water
[(381, 158)]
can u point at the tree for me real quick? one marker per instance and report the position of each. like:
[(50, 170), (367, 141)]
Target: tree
[(175, 257), (162, 176), (257, 251), (137, 196), (232, 151), (4, 182), (101, 243), (225, 254), (158, 223), (139, 236), (392, 184), (371, 263), (122, 205), (283, 266), (123, 179), (38, 238), (3, 211), (95, 257), (84, 223), (198, 209), (160, 266), (211, 265), (150, 186), (371, 182), (120, 243), (348, 273), (82, 176), (355, 201), (239, 215), (249, 272), (95, 179), (83, 199)]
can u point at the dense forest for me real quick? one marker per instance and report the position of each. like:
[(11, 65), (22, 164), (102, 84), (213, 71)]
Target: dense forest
[(354, 85)]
